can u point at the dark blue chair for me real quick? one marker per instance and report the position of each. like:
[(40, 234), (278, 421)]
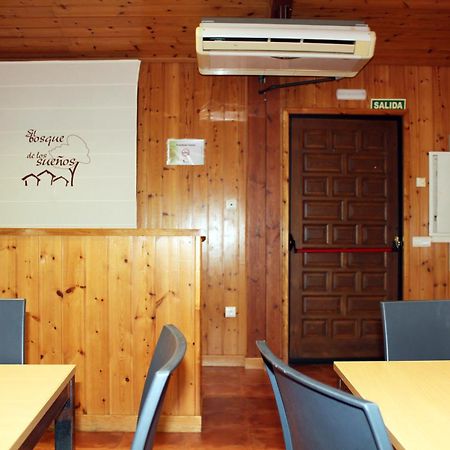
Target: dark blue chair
[(321, 417), (169, 352), (416, 330), (269, 358), (12, 331)]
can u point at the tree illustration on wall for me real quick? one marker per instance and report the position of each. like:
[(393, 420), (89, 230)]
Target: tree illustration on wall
[(71, 154)]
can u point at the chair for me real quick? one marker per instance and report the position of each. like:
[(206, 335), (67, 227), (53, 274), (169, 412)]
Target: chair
[(169, 352), (321, 417), (416, 330), (268, 359), (12, 331)]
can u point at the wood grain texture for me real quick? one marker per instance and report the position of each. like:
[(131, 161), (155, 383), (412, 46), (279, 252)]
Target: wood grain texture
[(415, 418), (256, 239), (176, 102), (425, 127), (408, 31), (219, 109), (100, 302)]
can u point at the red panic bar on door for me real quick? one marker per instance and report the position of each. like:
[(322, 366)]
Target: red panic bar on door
[(345, 250)]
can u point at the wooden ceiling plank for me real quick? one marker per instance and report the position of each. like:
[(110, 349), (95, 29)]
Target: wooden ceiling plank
[(388, 5), (414, 31)]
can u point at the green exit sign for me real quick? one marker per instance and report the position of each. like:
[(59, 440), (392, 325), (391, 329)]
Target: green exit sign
[(388, 103)]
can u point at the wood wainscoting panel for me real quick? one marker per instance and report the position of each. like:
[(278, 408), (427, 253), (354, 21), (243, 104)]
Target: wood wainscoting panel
[(100, 301)]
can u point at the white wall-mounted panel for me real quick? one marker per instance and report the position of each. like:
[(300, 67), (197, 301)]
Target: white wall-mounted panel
[(439, 217), (68, 144)]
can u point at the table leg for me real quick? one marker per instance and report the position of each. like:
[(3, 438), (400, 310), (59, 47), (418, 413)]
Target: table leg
[(64, 423)]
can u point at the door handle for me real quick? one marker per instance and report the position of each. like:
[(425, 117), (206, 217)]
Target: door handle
[(292, 245), (397, 243)]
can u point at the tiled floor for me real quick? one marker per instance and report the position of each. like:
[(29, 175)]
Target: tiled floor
[(239, 412)]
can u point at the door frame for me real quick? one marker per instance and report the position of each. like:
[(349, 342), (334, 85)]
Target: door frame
[(285, 204)]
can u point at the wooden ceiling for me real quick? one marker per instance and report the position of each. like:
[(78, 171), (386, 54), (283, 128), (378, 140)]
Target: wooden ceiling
[(408, 31)]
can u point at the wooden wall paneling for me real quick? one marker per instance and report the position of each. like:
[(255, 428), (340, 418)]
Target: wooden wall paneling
[(242, 208), (215, 199), (173, 286), (410, 197), (424, 111), (100, 301), (120, 331), (186, 399), (298, 96), (198, 193), (305, 96), (441, 119), (97, 327), (186, 131), (232, 328), (397, 84), (200, 186), (241, 147), (381, 85), (441, 112), (144, 128), (73, 311), (200, 197), (172, 194), (256, 218), (185, 104), (142, 304), (200, 126), (274, 307), (198, 342), (284, 217), (8, 287), (169, 303), (50, 299), (326, 93), (155, 146), (27, 273)]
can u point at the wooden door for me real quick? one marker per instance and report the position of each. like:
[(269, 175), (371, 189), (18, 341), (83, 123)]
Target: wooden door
[(344, 216)]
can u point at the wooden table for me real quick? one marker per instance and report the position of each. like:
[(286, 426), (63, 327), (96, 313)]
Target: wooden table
[(413, 396), (31, 397)]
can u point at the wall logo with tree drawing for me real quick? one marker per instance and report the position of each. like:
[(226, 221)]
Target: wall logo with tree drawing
[(59, 164)]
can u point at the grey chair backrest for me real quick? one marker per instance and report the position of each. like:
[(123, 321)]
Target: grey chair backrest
[(12, 331), (168, 354), (416, 330), (321, 417), (269, 358)]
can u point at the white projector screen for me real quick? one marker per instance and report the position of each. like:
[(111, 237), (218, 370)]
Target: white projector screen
[(68, 144)]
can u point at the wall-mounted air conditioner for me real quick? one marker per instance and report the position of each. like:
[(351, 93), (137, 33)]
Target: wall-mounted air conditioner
[(283, 47)]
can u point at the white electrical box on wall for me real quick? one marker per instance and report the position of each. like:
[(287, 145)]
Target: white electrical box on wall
[(439, 201)]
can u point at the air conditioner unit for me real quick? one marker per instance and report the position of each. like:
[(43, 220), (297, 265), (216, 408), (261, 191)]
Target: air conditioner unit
[(283, 47)]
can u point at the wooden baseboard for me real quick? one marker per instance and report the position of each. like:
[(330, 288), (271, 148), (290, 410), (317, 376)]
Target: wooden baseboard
[(254, 363), (127, 423), (223, 360), (180, 424), (232, 361)]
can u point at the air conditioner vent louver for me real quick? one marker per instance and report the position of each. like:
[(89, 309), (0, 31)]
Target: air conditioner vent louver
[(282, 40), (283, 47)]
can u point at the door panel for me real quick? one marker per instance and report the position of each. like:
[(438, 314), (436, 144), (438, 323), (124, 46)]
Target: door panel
[(345, 212)]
